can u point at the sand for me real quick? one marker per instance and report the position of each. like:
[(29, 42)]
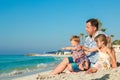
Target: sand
[(111, 74)]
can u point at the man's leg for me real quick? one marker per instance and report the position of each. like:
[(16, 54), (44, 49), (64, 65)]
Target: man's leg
[(61, 67), (73, 67), (69, 68)]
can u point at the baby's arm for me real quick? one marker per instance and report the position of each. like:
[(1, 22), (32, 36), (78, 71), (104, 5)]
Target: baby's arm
[(112, 58)]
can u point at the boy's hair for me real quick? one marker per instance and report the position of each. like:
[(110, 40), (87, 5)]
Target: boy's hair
[(94, 22), (106, 40), (75, 38)]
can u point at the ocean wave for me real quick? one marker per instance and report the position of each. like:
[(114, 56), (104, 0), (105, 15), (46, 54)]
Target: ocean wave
[(42, 65), (58, 58), (28, 65), (14, 73), (39, 67)]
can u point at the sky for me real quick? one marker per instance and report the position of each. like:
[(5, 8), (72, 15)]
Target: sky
[(37, 26)]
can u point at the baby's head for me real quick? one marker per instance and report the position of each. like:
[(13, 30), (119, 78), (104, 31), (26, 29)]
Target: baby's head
[(101, 40), (75, 40)]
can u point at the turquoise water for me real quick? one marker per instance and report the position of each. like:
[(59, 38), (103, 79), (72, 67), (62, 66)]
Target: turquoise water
[(11, 65)]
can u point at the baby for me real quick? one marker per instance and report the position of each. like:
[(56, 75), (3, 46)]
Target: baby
[(78, 55)]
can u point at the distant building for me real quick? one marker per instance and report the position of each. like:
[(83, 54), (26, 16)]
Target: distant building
[(63, 52), (67, 52), (60, 52)]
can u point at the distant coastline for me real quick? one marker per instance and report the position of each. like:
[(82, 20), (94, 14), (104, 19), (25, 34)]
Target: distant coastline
[(53, 55)]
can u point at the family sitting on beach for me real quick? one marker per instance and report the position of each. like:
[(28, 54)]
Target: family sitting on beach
[(95, 54)]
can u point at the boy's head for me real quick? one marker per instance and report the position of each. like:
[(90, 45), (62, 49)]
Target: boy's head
[(75, 40)]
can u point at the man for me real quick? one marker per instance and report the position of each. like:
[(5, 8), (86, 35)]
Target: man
[(92, 27)]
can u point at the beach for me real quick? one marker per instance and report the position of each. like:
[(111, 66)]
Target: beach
[(111, 74)]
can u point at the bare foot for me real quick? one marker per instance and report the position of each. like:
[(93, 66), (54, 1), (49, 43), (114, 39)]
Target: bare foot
[(68, 72), (74, 72), (91, 70)]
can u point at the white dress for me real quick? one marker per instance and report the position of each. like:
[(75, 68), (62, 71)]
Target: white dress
[(103, 61)]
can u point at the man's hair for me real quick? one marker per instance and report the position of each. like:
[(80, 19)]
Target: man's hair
[(94, 22), (75, 38)]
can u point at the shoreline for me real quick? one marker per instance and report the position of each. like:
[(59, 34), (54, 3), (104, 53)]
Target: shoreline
[(43, 61), (31, 76), (110, 74)]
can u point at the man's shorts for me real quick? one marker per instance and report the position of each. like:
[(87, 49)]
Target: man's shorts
[(75, 67)]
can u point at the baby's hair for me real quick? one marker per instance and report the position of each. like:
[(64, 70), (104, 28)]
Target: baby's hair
[(106, 40), (75, 38)]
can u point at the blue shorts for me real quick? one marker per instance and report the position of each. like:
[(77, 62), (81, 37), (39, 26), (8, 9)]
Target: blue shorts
[(75, 67)]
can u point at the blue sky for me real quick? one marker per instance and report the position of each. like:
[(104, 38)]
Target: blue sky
[(46, 25)]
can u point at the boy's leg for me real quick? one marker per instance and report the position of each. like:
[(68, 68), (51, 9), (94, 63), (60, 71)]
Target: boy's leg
[(61, 67)]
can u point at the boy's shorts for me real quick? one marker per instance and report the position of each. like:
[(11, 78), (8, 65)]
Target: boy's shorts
[(75, 67)]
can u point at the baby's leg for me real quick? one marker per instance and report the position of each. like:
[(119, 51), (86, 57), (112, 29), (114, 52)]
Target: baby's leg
[(81, 67), (86, 66)]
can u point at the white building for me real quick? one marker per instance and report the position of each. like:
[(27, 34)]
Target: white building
[(63, 52), (67, 53)]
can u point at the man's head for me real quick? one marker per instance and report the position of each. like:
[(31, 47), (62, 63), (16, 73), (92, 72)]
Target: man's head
[(92, 26)]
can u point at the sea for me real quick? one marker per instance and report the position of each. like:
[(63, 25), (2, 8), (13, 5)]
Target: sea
[(12, 66)]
